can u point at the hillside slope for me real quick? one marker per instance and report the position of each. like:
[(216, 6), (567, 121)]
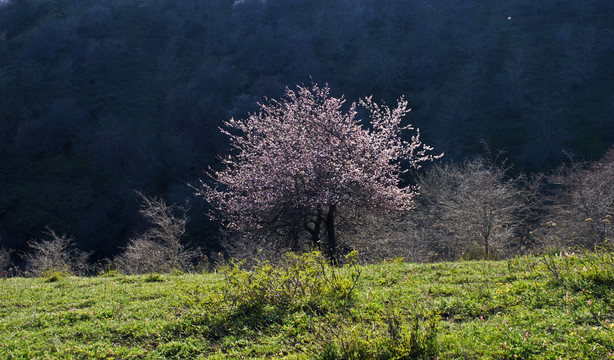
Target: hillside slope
[(538, 308)]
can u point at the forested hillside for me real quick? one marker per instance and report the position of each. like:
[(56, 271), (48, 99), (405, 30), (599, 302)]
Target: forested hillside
[(102, 98)]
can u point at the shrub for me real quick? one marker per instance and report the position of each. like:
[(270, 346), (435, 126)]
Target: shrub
[(56, 255), (470, 209), (159, 249), (5, 259), (581, 210), (304, 282), (305, 285)]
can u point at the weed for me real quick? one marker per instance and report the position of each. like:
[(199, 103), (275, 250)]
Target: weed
[(54, 275), (393, 337), (153, 277)]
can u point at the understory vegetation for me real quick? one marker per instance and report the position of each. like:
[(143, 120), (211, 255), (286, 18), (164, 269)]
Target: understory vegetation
[(552, 306), (468, 210)]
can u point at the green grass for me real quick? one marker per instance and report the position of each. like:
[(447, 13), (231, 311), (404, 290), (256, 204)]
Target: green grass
[(529, 308)]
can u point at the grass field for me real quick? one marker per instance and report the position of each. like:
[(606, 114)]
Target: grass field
[(546, 307)]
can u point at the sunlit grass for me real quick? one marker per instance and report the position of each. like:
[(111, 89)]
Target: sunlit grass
[(482, 309)]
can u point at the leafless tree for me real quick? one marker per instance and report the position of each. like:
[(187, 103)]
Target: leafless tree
[(581, 210), (380, 237), (467, 207), (159, 249), (58, 253)]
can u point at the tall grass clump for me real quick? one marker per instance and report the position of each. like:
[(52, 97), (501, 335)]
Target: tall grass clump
[(591, 271), (393, 336), (265, 294), (589, 275)]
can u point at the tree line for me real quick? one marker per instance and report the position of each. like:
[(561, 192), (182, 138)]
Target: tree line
[(305, 174)]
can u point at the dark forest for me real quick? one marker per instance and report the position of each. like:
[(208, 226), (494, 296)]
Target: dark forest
[(101, 99)]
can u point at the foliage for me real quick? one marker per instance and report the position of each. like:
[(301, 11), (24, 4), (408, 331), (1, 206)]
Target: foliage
[(159, 249), (58, 254), (304, 282), (590, 271), (414, 337), (468, 309), (299, 160)]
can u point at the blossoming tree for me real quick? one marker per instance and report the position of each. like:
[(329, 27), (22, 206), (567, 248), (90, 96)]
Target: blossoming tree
[(299, 160)]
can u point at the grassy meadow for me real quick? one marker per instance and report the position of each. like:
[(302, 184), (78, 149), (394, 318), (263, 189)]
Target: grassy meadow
[(548, 307)]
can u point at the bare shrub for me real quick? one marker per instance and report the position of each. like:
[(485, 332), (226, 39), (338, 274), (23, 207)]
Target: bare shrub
[(469, 209), (159, 249), (254, 248), (57, 254), (5, 259), (379, 237), (580, 212)]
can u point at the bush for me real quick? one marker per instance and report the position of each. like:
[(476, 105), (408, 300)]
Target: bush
[(5, 259), (469, 209), (265, 294), (56, 255), (159, 249), (304, 282), (581, 210)]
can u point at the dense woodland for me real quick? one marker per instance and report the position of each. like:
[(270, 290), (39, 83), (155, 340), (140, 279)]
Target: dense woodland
[(101, 99)]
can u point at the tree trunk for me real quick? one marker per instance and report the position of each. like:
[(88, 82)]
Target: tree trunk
[(330, 235), (294, 237), (315, 231)]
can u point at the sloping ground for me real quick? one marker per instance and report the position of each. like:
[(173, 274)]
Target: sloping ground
[(548, 307)]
